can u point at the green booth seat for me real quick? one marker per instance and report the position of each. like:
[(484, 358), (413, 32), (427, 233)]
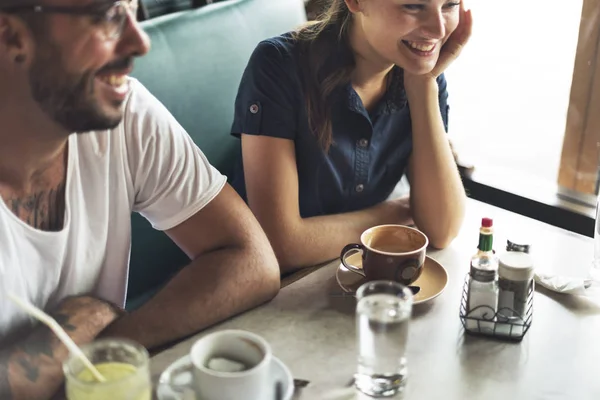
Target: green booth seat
[(194, 68)]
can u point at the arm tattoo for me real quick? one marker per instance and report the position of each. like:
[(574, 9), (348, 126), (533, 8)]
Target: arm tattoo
[(43, 210), (27, 353), (5, 391)]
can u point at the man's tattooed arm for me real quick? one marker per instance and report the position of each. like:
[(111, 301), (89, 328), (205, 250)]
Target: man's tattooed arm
[(32, 368)]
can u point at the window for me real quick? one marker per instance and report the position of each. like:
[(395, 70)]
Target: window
[(581, 151), (527, 83)]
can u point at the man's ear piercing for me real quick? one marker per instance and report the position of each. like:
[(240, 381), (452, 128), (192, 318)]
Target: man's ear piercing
[(20, 58)]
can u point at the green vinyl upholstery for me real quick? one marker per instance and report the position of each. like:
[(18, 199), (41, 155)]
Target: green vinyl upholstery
[(194, 68)]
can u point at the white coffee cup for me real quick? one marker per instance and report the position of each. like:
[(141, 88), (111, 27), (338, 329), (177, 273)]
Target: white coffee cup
[(234, 345)]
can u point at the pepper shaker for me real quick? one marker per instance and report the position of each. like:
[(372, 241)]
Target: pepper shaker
[(515, 281)]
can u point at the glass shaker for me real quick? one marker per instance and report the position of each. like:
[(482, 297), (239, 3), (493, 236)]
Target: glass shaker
[(482, 294)]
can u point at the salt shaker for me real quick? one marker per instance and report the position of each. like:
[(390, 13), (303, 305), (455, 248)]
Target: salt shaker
[(515, 281), (483, 295)]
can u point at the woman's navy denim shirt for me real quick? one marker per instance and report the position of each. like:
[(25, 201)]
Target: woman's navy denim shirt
[(370, 151)]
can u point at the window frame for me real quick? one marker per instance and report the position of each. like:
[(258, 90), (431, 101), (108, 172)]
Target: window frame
[(579, 172)]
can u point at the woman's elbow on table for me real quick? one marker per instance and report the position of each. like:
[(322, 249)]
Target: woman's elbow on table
[(442, 237), (440, 243)]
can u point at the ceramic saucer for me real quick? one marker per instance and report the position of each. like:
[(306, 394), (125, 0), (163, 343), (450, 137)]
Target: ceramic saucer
[(279, 372), (433, 279)]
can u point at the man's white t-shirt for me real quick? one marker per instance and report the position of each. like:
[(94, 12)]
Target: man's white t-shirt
[(147, 164)]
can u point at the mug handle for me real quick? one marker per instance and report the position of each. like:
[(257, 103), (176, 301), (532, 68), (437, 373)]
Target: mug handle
[(170, 377), (347, 249)]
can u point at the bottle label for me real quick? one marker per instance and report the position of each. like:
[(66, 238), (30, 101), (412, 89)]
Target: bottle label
[(485, 242)]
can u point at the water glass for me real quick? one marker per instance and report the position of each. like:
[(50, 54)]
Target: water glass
[(382, 317), (123, 363)]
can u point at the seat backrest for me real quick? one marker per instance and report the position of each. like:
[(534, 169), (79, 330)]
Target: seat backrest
[(153, 9), (194, 68), (197, 60)]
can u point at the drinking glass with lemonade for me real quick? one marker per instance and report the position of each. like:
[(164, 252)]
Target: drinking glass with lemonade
[(123, 363)]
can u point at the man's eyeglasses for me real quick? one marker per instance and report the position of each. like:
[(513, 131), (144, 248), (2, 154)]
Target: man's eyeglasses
[(110, 17)]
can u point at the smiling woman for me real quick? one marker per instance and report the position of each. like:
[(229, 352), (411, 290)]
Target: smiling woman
[(421, 28), (333, 115)]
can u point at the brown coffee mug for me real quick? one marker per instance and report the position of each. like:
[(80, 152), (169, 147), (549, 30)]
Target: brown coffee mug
[(389, 252)]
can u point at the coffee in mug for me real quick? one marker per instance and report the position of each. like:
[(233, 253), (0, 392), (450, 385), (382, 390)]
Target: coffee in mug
[(389, 252)]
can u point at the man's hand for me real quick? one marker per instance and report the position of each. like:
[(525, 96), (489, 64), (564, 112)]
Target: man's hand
[(32, 368)]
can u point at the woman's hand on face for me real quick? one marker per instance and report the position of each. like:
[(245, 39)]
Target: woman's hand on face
[(456, 42), (453, 46)]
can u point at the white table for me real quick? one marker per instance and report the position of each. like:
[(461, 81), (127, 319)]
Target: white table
[(313, 333)]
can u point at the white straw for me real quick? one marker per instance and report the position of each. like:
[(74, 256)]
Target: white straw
[(59, 331)]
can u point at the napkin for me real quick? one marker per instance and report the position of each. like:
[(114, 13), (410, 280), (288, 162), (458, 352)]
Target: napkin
[(565, 284)]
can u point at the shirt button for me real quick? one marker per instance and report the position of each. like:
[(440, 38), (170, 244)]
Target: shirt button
[(363, 142), (254, 108), (359, 188)]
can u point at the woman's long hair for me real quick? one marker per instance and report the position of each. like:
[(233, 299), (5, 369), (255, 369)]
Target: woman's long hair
[(327, 62)]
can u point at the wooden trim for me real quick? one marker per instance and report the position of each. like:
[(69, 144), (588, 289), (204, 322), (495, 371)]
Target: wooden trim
[(581, 153), (590, 156)]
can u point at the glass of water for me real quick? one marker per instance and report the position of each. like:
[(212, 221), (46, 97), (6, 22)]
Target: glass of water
[(382, 316)]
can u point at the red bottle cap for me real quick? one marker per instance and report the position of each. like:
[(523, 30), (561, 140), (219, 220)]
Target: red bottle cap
[(487, 222)]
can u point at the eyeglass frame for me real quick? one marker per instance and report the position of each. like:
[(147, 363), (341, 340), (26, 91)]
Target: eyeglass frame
[(90, 11)]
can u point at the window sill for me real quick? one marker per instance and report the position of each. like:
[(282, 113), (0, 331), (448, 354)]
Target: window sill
[(543, 201)]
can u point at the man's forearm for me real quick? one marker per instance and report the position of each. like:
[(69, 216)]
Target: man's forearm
[(213, 287), (32, 368)]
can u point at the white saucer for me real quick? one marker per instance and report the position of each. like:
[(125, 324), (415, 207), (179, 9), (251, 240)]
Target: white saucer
[(279, 372)]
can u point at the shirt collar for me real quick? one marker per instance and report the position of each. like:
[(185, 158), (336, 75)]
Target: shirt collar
[(395, 96), (393, 100)]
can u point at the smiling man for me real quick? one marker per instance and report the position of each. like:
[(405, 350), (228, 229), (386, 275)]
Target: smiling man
[(81, 147)]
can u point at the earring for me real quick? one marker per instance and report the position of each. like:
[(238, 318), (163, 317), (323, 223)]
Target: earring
[(20, 58)]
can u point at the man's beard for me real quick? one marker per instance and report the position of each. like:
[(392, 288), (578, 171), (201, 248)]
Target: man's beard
[(67, 98)]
